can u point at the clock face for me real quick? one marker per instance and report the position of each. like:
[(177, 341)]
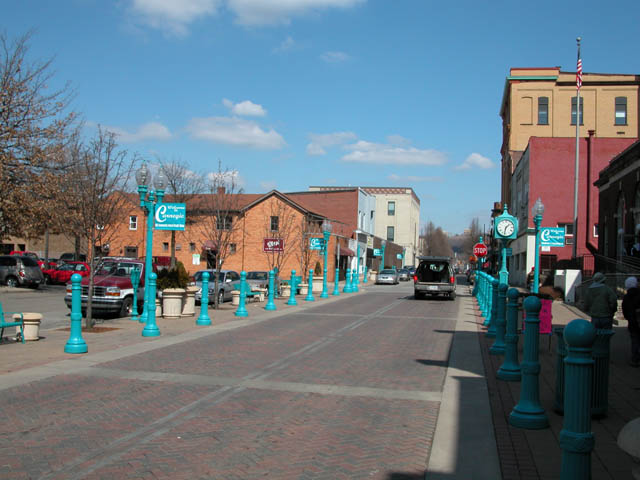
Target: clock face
[(505, 228)]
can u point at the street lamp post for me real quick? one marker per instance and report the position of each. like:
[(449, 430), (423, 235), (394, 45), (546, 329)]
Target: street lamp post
[(326, 233), (148, 201), (384, 245), (357, 264), (536, 212)]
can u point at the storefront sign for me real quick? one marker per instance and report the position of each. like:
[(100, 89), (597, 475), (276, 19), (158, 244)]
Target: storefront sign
[(271, 245)]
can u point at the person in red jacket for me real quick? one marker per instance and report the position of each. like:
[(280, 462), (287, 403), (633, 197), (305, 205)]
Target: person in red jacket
[(631, 311)]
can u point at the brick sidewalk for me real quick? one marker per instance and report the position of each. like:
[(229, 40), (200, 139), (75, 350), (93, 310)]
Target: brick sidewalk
[(536, 454)]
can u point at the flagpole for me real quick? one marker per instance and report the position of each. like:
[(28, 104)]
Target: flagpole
[(574, 252)]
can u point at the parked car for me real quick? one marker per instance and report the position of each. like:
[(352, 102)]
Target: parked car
[(260, 279), (112, 288), (387, 276), (228, 281), (403, 275), (63, 273), (434, 276), (20, 270), (72, 257), (412, 270)]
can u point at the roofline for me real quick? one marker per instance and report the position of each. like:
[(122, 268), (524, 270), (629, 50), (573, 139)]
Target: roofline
[(284, 198)]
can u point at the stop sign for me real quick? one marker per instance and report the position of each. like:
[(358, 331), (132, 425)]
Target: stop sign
[(480, 250)]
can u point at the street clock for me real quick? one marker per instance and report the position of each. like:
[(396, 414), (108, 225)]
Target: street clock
[(506, 226)]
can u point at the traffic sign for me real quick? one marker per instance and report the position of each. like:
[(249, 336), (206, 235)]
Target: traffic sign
[(480, 250), (377, 252)]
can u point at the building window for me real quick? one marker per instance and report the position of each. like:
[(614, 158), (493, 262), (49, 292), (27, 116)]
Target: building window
[(165, 246), (372, 212), (390, 232), (192, 247), (133, 222), (224, 223), (568, 232), (131, 252), (275, 223), (543, 110), (232, 248), (621, 111), (573, 110), (595, 230), (391, 208)]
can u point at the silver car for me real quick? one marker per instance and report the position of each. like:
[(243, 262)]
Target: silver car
[(228, 281), (20, 270), (387, 276), (260, 279)]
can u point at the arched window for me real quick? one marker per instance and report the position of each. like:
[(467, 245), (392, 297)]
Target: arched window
[(620, 213)]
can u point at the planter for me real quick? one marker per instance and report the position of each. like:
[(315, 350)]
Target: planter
[(31, 325), (263, 293), (189, 307), (317, 284), (235, 297), (172, 299), (304, 288), (158, 308), (286, 291), (373, 275)]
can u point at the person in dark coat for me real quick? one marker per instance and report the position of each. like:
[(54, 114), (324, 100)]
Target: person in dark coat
[(631, 311), (601, 302)]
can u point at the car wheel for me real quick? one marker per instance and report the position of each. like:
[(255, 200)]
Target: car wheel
[(12, 282), (47, 280), (418, 295), (221, 297), (125, 309)]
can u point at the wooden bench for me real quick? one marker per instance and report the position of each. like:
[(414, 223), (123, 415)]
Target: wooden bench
[(13, 323)]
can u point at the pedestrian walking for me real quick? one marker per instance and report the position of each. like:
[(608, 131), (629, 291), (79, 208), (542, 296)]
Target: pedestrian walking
[(601, 302), (631, 311)]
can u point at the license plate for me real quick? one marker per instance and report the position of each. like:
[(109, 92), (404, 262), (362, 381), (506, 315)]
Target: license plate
[(432, 287)]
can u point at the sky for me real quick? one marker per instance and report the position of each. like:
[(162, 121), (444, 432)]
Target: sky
[(293, 93)]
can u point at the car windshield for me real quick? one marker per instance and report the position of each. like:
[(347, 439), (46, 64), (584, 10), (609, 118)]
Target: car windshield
[(257, 276), (197, 277), (29, 262), (67, 266), (388, 272), (402, 270)]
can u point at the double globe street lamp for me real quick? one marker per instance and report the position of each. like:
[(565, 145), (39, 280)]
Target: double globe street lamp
[(326, 233), (148, 201), (536, 212)]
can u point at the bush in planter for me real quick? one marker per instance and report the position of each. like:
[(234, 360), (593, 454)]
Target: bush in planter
[(317, 270), (176, 277)]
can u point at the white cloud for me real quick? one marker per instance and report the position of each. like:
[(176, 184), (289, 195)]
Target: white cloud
[(334, 57), (413, 179), (172, 16), (287, 44), (475, 160), (235, 131), (246, 108), (230, 179), (278, 12), (398, 140), (148, 131), (321, 141), (381, 154)]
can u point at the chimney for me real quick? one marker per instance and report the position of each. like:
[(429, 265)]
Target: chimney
[(221, 190)]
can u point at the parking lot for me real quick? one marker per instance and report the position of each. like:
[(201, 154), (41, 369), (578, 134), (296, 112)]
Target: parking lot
[(48, 300)]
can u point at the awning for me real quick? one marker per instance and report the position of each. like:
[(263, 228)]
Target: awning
[(346, 252), (209, 245)]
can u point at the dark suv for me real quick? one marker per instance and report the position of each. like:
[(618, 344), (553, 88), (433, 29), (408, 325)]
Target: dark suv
[(20, 270), (434, 276)]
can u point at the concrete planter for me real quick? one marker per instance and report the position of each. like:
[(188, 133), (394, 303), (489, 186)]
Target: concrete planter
[(286, 291), (317, 284), (31, 325), (304, 288), (158, 308), (235, 297), (189, 307), (262, 294), (373, 275), (172, 299)]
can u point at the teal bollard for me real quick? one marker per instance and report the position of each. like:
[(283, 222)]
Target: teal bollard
[(204, 319), (364, 279), (347, 282), (561, 354), (76, 343), (487, 300), (500, 321), (510, 368), (336, 288), (528, 413), (576, 438), (135, 281), (292, 294), (309, 297), (151, 328), (354, 281), (270, 303), (241, 311), (493, 315)]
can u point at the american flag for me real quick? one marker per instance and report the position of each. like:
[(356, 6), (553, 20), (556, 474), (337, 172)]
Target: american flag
[(579, 72)]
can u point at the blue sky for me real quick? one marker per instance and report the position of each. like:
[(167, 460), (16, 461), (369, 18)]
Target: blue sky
[(321, 92)]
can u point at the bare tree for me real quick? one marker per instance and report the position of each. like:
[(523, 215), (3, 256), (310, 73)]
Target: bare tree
[(182, 185), (473, 237), (287, 230), (34, 132), (219, 215), (309, 227), (96, 198), (434, 241)]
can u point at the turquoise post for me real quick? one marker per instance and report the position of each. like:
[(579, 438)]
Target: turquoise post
[(364, 278), (151, 328), (241, 311), (292, 294), (576, 437), (357, 282), (486, 290), (135, 281), (270, 303), (347, 280), (528, 413), (76, 343), (354, 280), (309, 297), (336, 288), (501, 321), (149, 205), (204, 319), (493, 315), (510, 368)]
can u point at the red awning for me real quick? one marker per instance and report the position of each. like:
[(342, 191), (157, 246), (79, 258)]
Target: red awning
[(346, 252)]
